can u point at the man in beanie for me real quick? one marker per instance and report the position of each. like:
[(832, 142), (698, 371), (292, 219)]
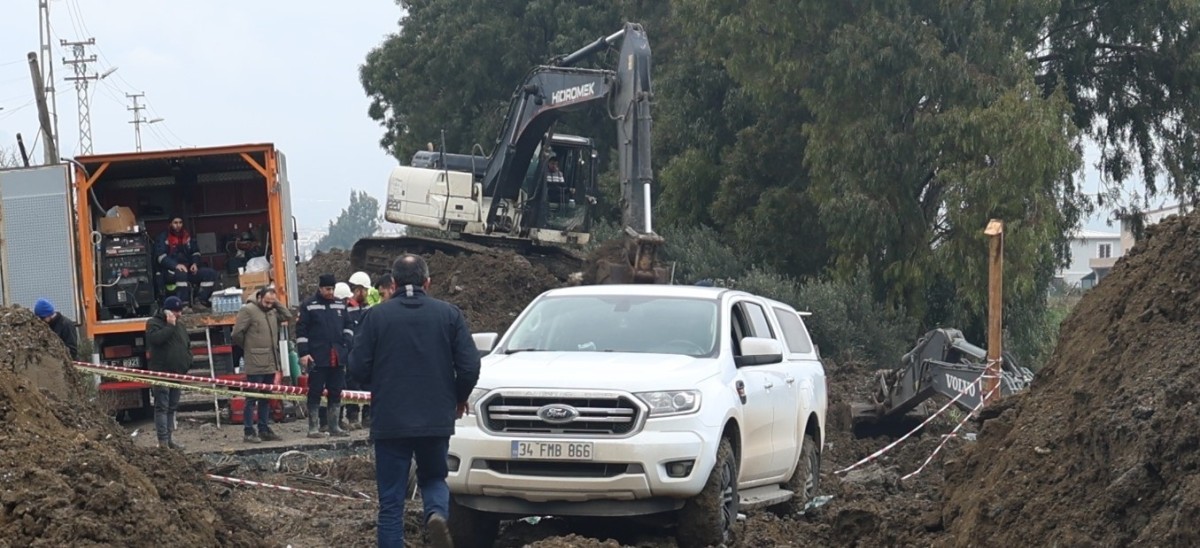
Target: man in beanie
[(178, 255), (170, 351), (323, 339), (59, 324)]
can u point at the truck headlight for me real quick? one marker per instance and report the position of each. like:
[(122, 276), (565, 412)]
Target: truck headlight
[(671, 402), (476, 395)]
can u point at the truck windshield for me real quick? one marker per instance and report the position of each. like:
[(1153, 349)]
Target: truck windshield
[(643, 324)]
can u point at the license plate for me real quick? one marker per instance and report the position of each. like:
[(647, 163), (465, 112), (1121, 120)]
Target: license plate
[(131, 363), (552, 450)]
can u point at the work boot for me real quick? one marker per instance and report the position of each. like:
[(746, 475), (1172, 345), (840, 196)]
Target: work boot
[(173, 445), (335, 425), (252, 438), (439, 532), (268, 435), (314, 427)]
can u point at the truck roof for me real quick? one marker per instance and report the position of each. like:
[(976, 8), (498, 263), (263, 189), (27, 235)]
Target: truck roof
[(689, 291)]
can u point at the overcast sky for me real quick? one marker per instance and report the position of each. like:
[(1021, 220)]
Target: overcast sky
[(219, 72)]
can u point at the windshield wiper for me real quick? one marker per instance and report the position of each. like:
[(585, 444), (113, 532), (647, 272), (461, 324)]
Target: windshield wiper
[(515, 350)]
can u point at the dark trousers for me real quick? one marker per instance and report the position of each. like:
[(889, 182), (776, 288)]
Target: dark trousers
[(392, 460), (166, 403), (203, 281), (354, 409), (263, 405), (332, 379)]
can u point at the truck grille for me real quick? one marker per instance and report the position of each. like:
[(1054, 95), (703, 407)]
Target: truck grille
[(558, 469), (604, 416)]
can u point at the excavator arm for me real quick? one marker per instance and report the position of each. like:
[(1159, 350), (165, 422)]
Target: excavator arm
[(550, 91)]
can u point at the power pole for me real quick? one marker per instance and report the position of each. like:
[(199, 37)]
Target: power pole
[(81, 85), (138, 119), (49, 143), (47, 67)]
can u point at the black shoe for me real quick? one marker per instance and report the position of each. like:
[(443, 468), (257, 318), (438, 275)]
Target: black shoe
[(269, 436), (251, 438), (439, 532)]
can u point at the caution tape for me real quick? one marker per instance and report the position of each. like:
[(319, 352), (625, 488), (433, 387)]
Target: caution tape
[(210, 384), (953, 433), (901, 439), (236, 481)]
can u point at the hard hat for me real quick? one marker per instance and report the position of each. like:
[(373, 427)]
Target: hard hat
[(342, 291), (360, 279)]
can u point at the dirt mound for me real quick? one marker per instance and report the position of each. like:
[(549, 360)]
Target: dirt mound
[(1103, 449), (73, 478), (490, 289), (336, 262)]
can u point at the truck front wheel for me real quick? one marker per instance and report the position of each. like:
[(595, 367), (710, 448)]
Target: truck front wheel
[(470, 527), (707, 519)]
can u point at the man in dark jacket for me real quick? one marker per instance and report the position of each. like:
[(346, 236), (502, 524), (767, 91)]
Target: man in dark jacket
[(416, 354), (178, 255), (170, 351), (60, 325), (323, 337)]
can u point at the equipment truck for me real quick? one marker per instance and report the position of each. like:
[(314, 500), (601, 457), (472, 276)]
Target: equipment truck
[(100, 269), (519, 201)]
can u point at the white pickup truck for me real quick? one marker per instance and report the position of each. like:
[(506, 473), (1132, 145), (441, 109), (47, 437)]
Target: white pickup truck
[(632, 400)]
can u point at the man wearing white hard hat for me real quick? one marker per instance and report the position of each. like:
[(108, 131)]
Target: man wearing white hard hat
[(356, 308)]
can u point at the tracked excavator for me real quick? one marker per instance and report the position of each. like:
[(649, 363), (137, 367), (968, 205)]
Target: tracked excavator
[(942, 363), (535, 193)]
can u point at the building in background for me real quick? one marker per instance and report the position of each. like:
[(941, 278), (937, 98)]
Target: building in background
[(1093, 253)]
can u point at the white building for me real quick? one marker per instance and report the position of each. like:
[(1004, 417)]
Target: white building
[(1093, 253)]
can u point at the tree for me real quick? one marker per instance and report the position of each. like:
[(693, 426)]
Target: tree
[(359, 220), (454, 65), (9, 158)]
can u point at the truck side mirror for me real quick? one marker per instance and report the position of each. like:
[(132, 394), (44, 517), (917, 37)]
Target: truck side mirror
[(484, 342), (759, 351)]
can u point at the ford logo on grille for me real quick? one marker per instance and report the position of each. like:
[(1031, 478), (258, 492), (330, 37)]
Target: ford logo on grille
[(557, 413)]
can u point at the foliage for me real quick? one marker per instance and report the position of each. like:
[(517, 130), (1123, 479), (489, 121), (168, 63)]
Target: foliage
[(9, 158), (359, 220), (853, 151)]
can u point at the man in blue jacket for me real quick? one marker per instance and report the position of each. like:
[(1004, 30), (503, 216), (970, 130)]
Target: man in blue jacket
[(178, 255), (322, 341), (416, 354)]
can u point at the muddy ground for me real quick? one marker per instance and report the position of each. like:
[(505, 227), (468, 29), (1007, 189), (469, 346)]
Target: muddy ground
[(1102, 451)]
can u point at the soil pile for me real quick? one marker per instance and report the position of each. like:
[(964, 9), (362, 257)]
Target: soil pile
[(1103, 449), (71, 477), (491, 289), (336, 262)]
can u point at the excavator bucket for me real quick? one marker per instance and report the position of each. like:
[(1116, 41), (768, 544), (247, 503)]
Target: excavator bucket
[(635, 263)]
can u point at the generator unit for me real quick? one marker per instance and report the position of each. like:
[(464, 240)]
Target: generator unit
[(126, 274)]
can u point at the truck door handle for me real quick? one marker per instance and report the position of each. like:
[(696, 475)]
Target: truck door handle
[(769, 384), (790, 380)]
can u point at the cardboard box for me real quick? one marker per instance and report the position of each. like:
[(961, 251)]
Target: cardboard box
[(254, 280), (120, 220)]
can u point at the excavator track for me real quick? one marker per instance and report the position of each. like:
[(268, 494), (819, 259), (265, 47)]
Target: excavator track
[(376, 254)]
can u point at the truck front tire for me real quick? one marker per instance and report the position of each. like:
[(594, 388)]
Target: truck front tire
[(707, 519), (470, 527)]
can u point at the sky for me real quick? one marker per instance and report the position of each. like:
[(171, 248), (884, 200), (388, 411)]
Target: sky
[(218, 72)]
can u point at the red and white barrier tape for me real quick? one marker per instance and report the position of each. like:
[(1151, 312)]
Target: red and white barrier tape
[(352, 395), (953, 433), (236, 481), (900, 440)]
